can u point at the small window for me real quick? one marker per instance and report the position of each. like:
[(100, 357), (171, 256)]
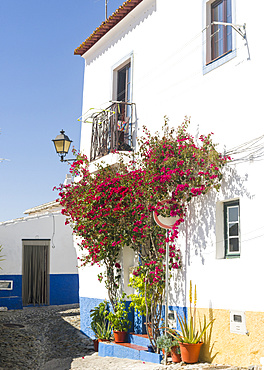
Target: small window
[(6, 284), (232, 229), (220, 40)]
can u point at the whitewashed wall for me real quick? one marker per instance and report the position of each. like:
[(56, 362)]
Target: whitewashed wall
[(48, 226), (165, 40)]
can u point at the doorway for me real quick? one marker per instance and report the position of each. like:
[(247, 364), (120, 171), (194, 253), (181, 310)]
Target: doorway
[(35, 272)]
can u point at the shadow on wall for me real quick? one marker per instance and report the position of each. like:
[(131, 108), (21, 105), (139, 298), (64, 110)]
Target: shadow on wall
[(199, 226), (197, 238), (207, 350)]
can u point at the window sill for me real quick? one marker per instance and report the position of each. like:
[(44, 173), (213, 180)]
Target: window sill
[(232, 256), (218, 62)]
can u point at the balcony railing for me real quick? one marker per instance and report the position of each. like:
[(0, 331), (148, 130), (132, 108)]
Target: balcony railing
[(112, 130)]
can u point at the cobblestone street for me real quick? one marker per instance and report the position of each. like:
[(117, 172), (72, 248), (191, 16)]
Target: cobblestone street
[(32, 337), (49, 338)]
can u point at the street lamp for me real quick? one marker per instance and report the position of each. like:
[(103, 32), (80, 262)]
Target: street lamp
[(62, 145)]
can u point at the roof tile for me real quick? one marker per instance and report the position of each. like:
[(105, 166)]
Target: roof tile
[(107, 25)]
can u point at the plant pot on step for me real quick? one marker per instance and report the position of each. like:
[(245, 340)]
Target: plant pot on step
[(190, 352), (168, 353), (175, 354), (95, 343), (120, 336)]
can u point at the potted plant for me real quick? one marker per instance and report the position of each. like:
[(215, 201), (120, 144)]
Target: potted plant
[(147, 302), (104, 332), (119, 320), (189, 336), (169, 345), (99, 323)]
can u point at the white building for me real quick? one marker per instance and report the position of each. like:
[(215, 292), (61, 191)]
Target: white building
[(202, 59), (39, 264)]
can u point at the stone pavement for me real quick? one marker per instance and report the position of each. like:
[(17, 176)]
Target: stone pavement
[(49, 338), (32, 337)]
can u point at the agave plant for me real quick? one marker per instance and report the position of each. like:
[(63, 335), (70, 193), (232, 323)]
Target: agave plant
[(99, 323), (189, 333), (103, 331)]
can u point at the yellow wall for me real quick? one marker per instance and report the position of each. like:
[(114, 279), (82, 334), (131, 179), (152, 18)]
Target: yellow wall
[(222, 347)]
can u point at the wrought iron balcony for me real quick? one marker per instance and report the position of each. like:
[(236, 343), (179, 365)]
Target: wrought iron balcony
[(112, 130)]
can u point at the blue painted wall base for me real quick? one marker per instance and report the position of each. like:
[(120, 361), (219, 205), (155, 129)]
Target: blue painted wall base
[(64, 289), (181, 311), (12, 299), (138, 322), (86, 305)]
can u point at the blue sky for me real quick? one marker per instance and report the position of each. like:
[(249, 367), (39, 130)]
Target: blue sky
[(40, 93)]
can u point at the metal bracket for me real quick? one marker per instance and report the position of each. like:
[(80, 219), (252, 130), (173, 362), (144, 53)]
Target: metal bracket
[(238, 28)]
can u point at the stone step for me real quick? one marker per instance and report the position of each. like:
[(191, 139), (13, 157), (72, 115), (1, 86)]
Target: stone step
[(128, 350), (133, 346), (139, 339)]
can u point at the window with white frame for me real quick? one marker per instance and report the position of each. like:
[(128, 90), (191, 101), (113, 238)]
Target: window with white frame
[(232, 228), (220, 39)]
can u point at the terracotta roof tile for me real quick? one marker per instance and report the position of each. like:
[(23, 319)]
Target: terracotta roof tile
[(107, 25)]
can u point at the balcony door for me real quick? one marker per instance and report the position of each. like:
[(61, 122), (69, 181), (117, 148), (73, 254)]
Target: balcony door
[(124, 84), (123, 95)]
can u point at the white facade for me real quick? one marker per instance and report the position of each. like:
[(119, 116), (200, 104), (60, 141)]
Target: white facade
[(166, 43)]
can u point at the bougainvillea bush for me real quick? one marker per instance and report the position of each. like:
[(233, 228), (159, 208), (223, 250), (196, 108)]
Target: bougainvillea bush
[(114, 207)]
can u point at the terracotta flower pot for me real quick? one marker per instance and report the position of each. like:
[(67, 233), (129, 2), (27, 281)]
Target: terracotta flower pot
[(190, 352), (168, 353), (120, 336), (95, 343), (175, 356)]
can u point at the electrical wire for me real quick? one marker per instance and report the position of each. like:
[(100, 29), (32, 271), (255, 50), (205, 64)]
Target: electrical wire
[(152, 75), (252, 150)]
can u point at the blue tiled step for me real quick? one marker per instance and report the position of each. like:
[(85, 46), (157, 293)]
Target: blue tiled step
[(132, 350), (140, 339)]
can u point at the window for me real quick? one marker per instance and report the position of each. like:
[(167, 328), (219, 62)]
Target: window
[(221, 35), (219, 40), (6, 284), (231, 229)]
